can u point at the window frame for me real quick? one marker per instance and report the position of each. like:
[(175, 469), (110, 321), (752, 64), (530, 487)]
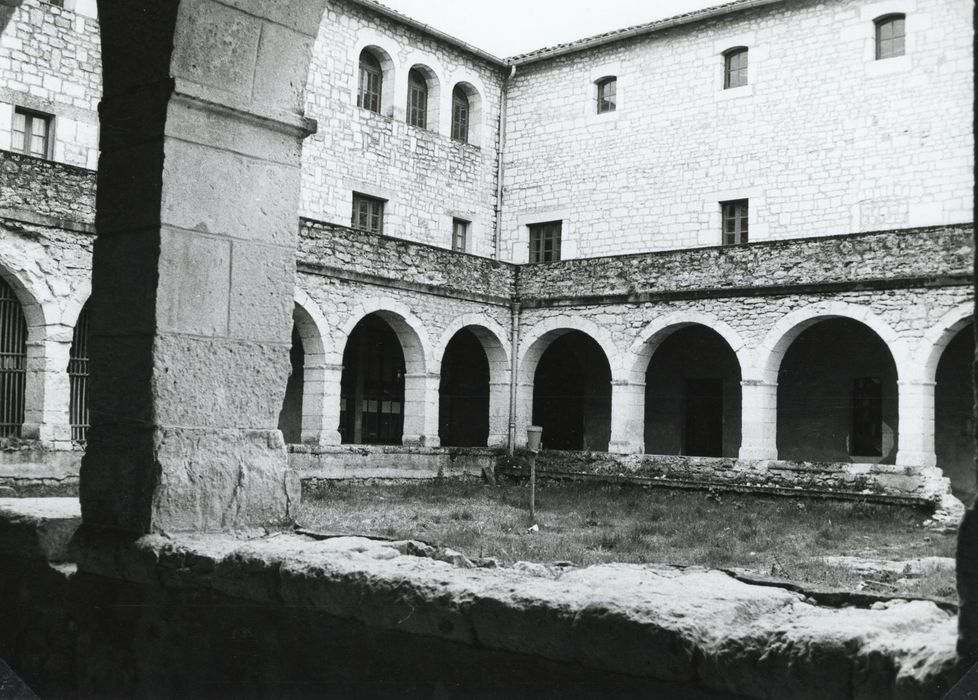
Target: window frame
[(884, 21), (539, 235), (367, 98), (606, 104), (30, 116), (460, 243), (357, 215), (730, 212), (740, 71), (417, 106), (461, 127)]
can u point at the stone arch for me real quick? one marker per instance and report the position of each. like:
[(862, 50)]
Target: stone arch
[(30, 395), (936, 339), (434, 75), (475, 92), (384, 49)]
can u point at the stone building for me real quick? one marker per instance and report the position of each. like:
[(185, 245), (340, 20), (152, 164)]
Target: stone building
[(741, 236)]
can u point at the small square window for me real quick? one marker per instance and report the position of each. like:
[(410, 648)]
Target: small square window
[(607, 95), (734, 221), (735, 68), (368, 213), (545, 242), (891, 35), (31, 133), (460, 234)]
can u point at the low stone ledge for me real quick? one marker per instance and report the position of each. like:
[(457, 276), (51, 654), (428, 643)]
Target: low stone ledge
[(340, 462), (697, 627), (38, 528)]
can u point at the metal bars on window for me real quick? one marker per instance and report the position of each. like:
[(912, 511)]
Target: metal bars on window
[(78, 379), (545, 242), (735, 68), (31, 133), (734, 221), (13, 362), (891, 35), (460, 115), (417, 99), (371, 83), (368, 213)]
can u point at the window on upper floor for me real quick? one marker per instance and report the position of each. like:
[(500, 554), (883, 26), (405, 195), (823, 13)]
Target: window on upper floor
[(368, 213), (371, 85), (56, 3), (31, 133), (545, 242), (735, 67), (460, 115), (460, 234), (891, 34), (734, 214), (607, 94), (417, 99)]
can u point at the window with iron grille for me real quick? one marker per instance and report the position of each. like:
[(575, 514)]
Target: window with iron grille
[(460, 234), (734, 221), (460, 115), (31, 133), (891, 35), (735, 68), (417, 99), (368, 213), (607, 95), (78, 379), (13, 362), (371, 82), (545, 242)]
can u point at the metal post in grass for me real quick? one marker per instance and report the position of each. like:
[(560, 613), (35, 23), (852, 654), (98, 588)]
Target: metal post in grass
[(534, 434)]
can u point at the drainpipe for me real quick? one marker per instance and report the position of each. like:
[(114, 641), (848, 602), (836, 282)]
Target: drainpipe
[(514, 367), (499, 162)]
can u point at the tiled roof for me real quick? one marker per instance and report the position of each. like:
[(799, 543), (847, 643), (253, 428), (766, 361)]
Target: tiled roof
[(636, 30)]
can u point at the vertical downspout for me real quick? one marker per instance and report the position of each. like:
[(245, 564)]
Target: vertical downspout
[(497, 254), (514, 310)]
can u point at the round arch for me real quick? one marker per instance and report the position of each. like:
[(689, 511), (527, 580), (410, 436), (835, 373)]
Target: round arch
[(542, 334), (652, 336), (434, 76), (418, 351), (383, 49), (937, 338), (475, 93)]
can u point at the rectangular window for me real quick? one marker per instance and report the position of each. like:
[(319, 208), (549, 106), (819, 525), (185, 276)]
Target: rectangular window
[(545, 242), (368, 213), (734, 221), (460, 234), (607, 95), (56, 3), (867, 417), (31, 133), (735, 68), (417, 102), (891, 36)]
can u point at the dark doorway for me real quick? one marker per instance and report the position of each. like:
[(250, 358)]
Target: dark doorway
[(837, 396), (692, 396), (572, 394), (463, 408), (290, 418), (953, 417), (704, 417), (372, 388)]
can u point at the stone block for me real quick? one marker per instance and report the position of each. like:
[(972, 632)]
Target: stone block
[(262, 291), (194, 283), (283, 60)]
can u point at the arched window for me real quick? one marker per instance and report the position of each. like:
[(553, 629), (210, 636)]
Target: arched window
[(607, 94), (371, 82), (78, 379), (13, 362), (891, 34), (735, 67), (460, 115), (417, 99)]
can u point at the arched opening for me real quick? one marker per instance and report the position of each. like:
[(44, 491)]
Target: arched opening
[(693, 396), (372, 387), (572, 394), (13, 362), (290, 417), (837, 395), (954, 427), (463, 406), (78, 379), (466, 114), (423, 98)]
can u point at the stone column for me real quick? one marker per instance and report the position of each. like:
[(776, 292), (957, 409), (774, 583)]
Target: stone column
[(421, 409), (524, 410), (915, 433), (194, 264), (627, 417), (321, 404), (759, 419), (498, 413), (47, 389)]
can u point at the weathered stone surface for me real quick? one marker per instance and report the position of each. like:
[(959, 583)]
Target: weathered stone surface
[(386, 462), (38, 528)]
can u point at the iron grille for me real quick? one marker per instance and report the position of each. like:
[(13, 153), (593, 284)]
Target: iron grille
[(78, 379), (13, 362)]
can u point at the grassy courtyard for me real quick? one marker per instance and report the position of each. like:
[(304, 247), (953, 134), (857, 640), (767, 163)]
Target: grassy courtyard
[(592, 524)]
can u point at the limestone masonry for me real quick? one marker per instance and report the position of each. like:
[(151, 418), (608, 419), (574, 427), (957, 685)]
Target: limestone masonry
[(741, 235)]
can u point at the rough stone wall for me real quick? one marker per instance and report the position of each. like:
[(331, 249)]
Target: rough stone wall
[(426, 177), (50, 62), (824, 140), (30, 187)]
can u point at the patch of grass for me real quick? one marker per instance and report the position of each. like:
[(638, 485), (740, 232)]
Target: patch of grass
[(593, 524)]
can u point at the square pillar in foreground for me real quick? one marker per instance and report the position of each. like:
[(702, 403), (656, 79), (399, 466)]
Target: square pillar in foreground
[(759, 420), (627, 417)]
